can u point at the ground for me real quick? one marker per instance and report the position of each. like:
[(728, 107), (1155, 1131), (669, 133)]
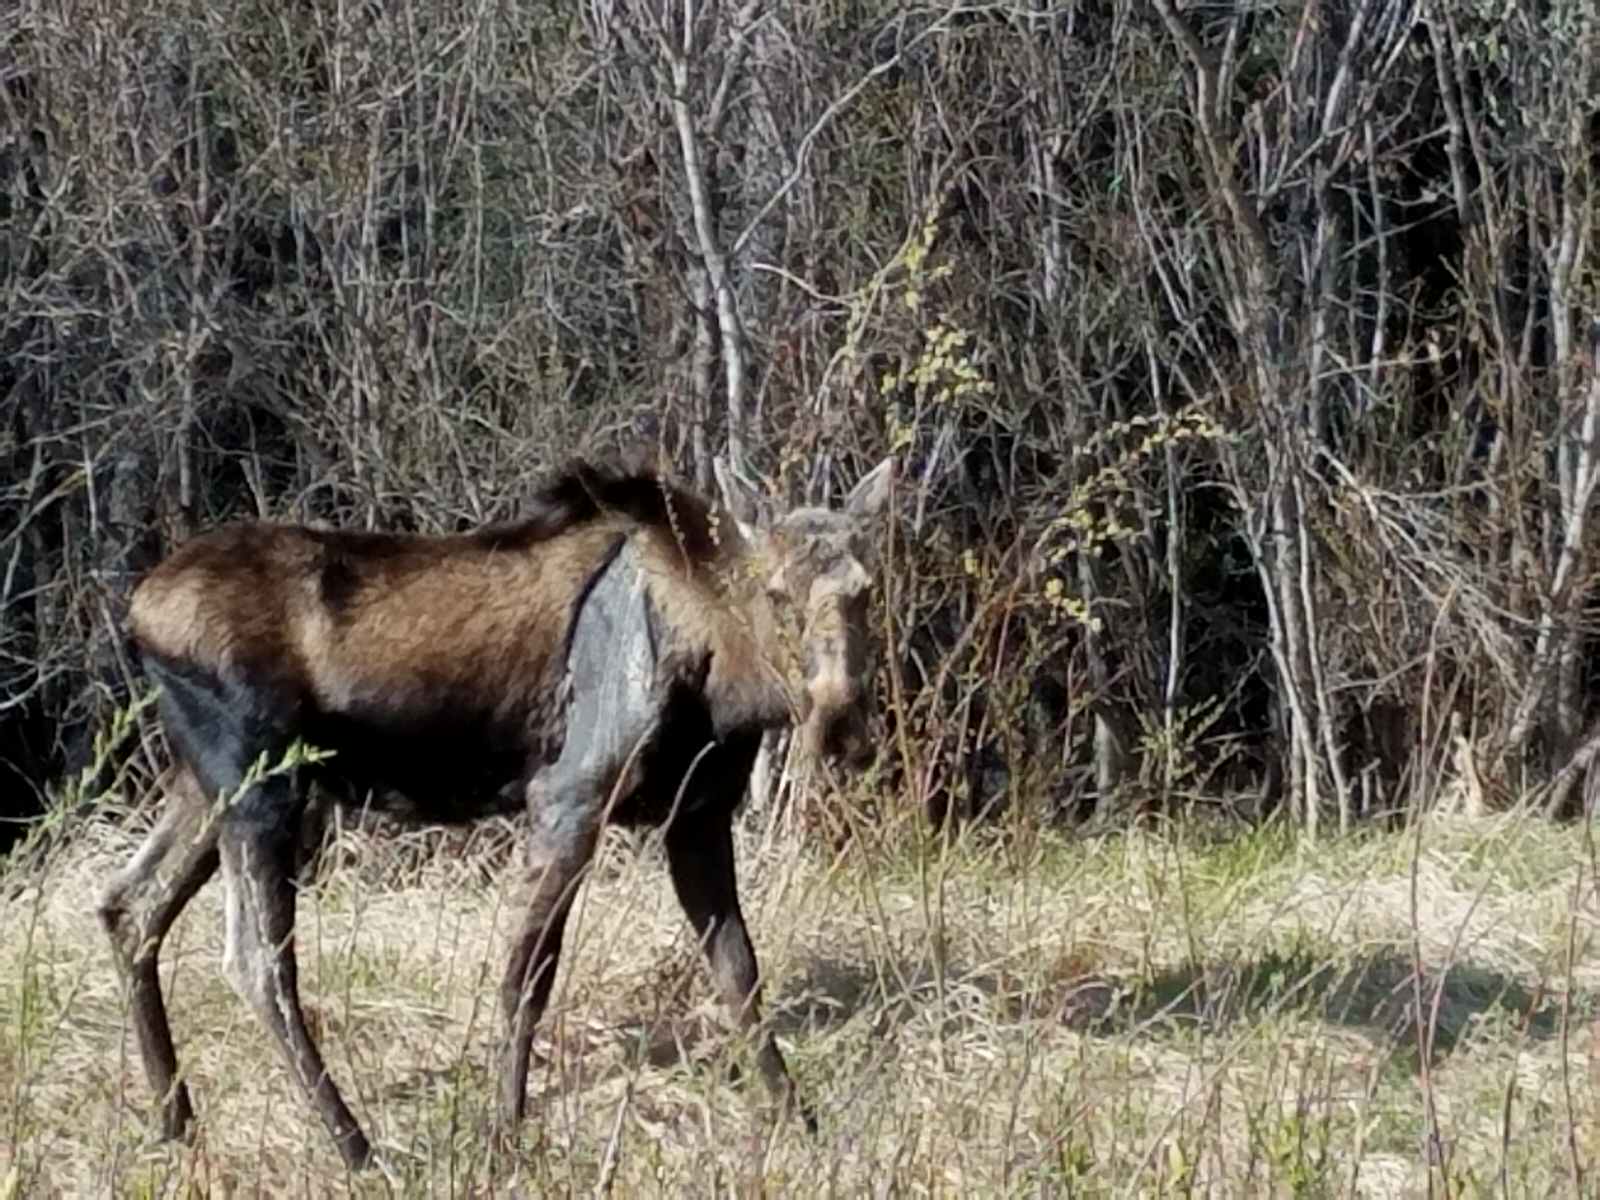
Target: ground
[(1176, 1010)]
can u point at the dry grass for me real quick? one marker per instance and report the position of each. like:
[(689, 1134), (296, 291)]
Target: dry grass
[(1140, 1013)]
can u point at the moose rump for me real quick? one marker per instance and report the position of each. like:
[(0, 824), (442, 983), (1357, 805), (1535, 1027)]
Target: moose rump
[(607, 658)]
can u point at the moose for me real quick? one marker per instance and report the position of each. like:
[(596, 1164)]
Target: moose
[(613, 655)]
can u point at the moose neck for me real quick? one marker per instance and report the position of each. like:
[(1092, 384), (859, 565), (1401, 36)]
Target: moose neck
[(754, 679)]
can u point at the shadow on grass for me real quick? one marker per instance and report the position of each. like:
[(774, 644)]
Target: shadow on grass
[(1376, 992), (827, 995), (1373, 993)]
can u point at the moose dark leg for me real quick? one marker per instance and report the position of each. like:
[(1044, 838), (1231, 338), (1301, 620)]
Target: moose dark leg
[(555, 867), (136, 931), (258, 846), (614, 712), (182, 820), (181, 807), (218, 726), (567, 808), (700, 855)]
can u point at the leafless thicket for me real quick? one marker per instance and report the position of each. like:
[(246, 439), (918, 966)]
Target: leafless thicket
[(1236, 357)]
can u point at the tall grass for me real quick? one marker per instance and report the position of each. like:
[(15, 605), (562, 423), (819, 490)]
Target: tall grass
[(1158, 1011)]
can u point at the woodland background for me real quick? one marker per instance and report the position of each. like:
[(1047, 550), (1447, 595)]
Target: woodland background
[(1237, 356)]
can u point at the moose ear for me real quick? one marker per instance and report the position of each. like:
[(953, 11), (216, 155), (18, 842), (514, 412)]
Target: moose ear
[(747, 505), (870, 497)]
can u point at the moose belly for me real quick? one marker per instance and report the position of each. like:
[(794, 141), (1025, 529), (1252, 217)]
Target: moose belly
[(454, 768), (687, 770)]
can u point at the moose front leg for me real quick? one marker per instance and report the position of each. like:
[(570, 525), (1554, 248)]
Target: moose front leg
[(557, 855), (613, 715), (700, 855), (568, 808)]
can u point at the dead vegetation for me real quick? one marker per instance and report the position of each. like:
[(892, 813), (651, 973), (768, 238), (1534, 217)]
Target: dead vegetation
[(1143, 1012)]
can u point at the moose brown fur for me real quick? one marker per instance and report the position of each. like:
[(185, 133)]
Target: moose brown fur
[(613, 656)]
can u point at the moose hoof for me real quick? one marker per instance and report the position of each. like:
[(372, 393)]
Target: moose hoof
[(507, 1145), (177, 1116)]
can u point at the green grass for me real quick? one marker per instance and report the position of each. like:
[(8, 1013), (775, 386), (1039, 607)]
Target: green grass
[(1153, 1012)]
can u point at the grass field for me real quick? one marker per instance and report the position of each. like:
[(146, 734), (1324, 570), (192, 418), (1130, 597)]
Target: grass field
[(1152, 1012)]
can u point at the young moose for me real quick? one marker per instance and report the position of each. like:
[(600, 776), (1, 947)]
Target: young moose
[(615, 655)]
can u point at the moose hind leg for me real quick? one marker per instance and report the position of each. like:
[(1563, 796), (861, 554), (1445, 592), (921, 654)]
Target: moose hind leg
[(258, 857), (182, 807), (700, 855), (136, 930)]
